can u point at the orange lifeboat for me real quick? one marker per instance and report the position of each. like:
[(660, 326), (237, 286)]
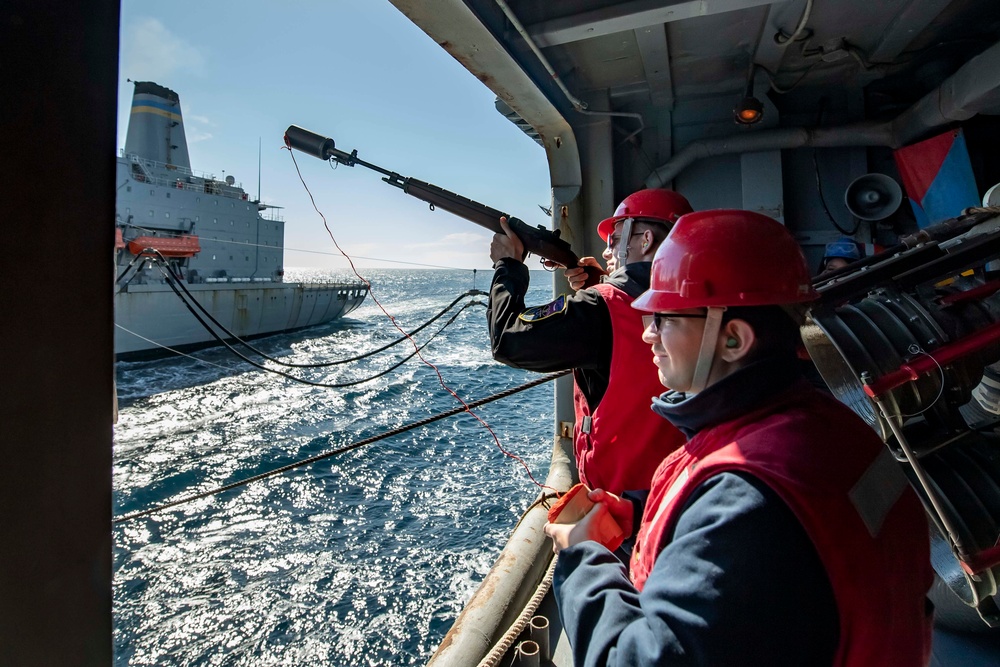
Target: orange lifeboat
[(119, 241), (168, 246)]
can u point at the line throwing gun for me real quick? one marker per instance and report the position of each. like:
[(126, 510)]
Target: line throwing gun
[(538, 240)]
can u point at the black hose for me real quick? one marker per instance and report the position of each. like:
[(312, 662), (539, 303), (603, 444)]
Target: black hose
[(172, 281), (128, 268), (247, 345)]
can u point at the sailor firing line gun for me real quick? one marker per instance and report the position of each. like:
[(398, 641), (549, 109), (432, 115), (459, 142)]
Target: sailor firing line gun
[(543, 242)]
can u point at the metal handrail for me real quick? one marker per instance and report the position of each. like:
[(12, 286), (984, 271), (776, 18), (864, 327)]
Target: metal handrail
[(172, 181)]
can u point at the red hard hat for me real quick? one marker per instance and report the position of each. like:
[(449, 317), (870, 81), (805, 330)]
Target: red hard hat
[(726, 258), (663, 205)]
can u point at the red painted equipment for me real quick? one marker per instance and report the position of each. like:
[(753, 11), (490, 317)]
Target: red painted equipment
[(945, 354), (168, 246)]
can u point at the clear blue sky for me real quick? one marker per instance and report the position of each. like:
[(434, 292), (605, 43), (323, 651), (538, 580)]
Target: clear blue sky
[(357, 71)]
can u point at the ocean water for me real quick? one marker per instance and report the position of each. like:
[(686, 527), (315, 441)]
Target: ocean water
[(364, 558)]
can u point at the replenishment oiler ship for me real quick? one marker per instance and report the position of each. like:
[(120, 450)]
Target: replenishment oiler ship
[(226, 248)]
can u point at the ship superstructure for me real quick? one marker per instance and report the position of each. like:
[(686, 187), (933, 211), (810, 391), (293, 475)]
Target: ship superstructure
[(226, 247)]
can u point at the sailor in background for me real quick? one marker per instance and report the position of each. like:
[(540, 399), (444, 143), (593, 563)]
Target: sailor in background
[(783, 532), (596, 333), (839, 254)]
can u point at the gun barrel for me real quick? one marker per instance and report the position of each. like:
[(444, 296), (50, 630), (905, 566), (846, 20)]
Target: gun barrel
[(538, 240), (309, 143)]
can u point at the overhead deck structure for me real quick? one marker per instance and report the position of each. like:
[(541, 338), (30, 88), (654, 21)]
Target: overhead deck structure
[(625, 95)]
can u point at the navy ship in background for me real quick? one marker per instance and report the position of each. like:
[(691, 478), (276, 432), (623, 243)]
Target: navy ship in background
[(226, 248)]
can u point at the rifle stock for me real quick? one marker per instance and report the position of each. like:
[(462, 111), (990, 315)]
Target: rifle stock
[(538, 240)]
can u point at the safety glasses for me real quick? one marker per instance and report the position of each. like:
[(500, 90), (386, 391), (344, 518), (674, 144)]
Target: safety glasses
[(656, 319), (614, 240)]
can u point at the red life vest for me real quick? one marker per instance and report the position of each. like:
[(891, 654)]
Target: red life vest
[(848, 493), (620, 443)]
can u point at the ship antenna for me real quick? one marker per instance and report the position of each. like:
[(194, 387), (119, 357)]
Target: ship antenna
[(258, 170)]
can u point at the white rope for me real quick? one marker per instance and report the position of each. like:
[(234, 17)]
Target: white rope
[(500, 649)]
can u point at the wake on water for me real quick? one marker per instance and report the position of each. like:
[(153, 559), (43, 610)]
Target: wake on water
[(360, 559)]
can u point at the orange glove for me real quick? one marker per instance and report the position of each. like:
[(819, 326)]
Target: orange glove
[(574, 506)]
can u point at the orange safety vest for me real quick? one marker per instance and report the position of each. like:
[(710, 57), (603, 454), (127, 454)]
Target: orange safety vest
[(849, 494), (620, 443)]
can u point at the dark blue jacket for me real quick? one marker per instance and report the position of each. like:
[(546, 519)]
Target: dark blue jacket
[(738, 582)]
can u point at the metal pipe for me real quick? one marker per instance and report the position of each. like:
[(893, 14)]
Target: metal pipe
[(509, 585), (514, 21), (945, 354), (538, 632), (863, 133), (577, 103), (970, 90), (975, 87), (527, 654)]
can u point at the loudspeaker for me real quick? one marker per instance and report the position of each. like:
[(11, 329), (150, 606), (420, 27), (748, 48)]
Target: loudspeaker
[(992, 196), (873, 197)]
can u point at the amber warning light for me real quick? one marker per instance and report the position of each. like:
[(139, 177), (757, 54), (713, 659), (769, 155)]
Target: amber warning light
[(749, 111)]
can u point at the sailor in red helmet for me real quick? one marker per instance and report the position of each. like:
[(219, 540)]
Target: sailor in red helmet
[(654, 203), (597, 334), (783, 532)]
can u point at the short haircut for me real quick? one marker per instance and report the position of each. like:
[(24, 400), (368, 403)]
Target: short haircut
[(776, 331), (656, 227)]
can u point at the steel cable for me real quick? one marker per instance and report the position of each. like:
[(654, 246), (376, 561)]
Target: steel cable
[(341, 450)]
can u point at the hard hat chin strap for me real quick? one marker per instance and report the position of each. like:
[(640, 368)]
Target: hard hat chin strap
[(621, 252), (706, 355)]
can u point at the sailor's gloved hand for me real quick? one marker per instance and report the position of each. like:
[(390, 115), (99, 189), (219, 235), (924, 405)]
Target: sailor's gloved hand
[(577, 276), (600, 515), (620, 509), (506, 245)]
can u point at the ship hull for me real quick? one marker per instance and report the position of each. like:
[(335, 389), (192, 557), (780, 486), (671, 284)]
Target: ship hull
[(153, 312)]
